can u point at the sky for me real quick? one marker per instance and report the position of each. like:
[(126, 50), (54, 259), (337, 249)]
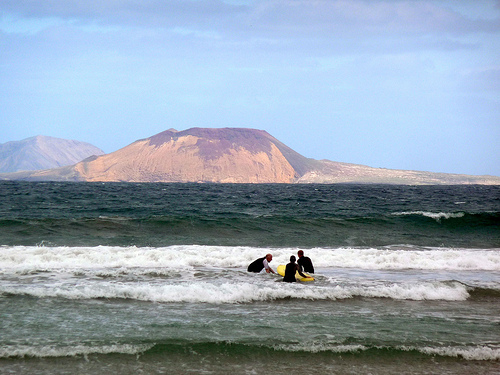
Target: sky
[(400, 84)]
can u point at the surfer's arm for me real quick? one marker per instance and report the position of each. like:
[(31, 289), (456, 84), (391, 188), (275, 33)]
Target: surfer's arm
[(267, 267), (299, 270)]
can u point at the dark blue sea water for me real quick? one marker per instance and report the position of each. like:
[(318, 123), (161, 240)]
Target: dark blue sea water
[(125, 214), (151, 278)]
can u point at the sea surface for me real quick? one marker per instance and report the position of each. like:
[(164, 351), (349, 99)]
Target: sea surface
[(125, 278)]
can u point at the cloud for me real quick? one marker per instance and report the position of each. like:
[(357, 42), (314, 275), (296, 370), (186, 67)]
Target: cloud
[(324, 20), (278, 17), (271, 31), (151, 13), (315, 27)]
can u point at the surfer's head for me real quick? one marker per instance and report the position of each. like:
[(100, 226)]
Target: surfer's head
[(292, 259), (269, 257), (300, 253)]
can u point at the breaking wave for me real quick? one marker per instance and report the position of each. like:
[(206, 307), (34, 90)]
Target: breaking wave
[(27, 259)]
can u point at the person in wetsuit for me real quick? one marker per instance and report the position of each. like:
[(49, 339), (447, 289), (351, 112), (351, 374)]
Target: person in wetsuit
[(305, 262), (290, 270), (261, 263)]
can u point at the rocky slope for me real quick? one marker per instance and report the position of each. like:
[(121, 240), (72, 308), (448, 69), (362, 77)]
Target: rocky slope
[(42, 152), (229, 155), (334, 172)]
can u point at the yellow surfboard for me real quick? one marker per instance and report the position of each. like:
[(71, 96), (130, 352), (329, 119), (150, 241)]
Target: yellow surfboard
[(281, 271)]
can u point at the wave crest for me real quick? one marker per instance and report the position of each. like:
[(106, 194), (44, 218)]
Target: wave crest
[(28, 259), (243, 292), (438, 216), (11, 351)]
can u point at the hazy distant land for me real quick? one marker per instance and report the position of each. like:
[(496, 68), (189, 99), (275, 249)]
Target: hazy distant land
[(43, 152), (223, 155)]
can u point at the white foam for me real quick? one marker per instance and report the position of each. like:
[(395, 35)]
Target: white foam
[(479, 353), (394, 259), (26, 259), (418, 292), (222, 292), (315, 347), (7, 351), (50, 258), (438, 216), (475, 353)]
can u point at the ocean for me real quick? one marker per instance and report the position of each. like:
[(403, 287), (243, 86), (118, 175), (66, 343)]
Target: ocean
[(150, 278)]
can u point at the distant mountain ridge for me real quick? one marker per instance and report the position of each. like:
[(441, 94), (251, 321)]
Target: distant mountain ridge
[(229, 155), (42, 152)]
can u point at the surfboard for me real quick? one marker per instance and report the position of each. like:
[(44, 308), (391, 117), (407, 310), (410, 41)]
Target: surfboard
[(281, 271)]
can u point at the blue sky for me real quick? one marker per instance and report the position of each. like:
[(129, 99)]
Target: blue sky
[(394, 84)]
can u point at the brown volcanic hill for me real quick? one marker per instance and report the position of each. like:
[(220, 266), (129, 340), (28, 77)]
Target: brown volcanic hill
[(233, 155), (229, 155), (43, 152)]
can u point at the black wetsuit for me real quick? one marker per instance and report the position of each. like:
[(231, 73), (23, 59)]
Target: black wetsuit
[(257, 265), (290, 270), (306, 264)]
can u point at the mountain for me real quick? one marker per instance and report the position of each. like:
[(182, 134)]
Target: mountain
[(233, 155), (334, 172), (42, 152), (229, 155)]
